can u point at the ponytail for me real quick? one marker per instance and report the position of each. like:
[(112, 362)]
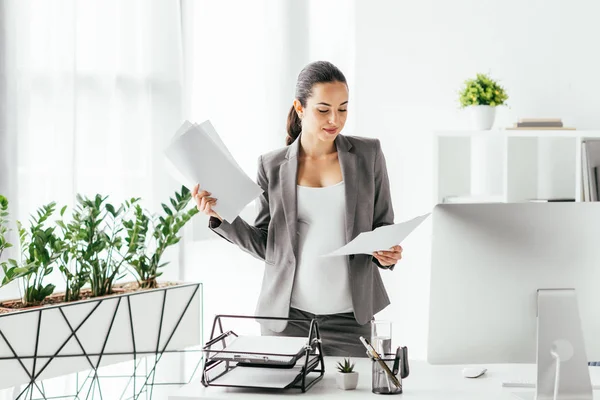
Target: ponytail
[(294, 126)]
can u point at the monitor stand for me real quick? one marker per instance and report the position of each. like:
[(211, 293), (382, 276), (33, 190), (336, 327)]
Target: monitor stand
[(562, 365)]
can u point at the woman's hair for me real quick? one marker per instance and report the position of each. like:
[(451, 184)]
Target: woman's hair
[(313, 73)]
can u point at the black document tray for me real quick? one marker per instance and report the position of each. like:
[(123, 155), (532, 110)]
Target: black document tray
[(264, 362)]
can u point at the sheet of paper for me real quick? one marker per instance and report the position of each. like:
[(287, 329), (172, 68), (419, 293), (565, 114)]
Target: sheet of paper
[(208, 129), (381, 238), (288, 345), (260, 377), (199, 156)]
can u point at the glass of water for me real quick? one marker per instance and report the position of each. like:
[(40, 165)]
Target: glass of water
[(381, 337)]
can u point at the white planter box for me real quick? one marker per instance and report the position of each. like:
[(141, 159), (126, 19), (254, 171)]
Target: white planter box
[(51, 341)]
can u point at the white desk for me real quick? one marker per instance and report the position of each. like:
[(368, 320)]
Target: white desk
[(426, 382)]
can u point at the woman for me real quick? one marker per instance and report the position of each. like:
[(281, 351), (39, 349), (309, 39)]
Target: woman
[(320, 192)]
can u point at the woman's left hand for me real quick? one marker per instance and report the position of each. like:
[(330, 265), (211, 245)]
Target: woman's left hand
[(389, 257)]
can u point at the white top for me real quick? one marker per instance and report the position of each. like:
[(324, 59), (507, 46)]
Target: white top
[(321, 284)]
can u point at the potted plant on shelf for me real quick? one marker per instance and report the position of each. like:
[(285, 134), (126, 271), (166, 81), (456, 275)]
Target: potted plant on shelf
[(346, 378), (481, 96), (96, 315)]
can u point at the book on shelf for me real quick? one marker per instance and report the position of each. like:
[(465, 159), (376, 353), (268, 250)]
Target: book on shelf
[(540, 124), (590, 161), (537, 120), (552, 200), (541, 128)]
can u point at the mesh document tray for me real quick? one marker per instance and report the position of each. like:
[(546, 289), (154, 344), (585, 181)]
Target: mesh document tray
[(267, 362)]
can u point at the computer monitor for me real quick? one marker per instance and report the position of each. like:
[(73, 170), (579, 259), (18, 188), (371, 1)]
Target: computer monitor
[(493, 266)]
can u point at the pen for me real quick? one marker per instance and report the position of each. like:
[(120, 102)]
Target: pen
[(372, 353)]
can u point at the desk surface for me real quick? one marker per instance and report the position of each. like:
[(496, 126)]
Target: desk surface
[(426, 382)]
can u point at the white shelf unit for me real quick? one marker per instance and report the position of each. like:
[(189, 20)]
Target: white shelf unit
[(528, 164)]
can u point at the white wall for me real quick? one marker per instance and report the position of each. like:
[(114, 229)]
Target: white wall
[(411, 59)]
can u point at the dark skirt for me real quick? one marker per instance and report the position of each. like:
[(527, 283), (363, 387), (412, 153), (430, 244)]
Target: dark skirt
[(339, 332)]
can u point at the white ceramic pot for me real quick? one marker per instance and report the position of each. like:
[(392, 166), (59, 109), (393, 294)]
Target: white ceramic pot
[(347, 381), (482, 117)]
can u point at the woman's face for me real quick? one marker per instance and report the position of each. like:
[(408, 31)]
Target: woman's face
[(325, 111)]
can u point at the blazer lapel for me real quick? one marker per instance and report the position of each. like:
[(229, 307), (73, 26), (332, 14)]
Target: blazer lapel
[(349, 173), (288, 176)]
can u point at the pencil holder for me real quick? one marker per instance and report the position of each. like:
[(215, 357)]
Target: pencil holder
[(381, 382)]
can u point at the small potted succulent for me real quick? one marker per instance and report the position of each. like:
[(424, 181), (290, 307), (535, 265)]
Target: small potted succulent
[(346, 377)]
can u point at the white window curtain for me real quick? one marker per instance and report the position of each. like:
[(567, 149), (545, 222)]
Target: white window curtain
[(93, 91)]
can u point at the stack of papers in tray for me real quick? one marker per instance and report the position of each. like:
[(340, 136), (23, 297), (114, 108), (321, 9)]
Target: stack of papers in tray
[(276, 378), (197, 155), (275, 350)]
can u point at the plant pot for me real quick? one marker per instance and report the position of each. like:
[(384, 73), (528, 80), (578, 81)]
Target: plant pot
[(482, 117), (49, 341), (346, 380)]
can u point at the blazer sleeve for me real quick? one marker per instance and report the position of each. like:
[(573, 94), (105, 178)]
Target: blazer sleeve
[(383, 212), (250, 238)]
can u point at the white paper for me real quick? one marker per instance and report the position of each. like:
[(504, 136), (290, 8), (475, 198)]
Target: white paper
[(243, 348), (287, 345), (198, 156), (382, 238), (260, 377)]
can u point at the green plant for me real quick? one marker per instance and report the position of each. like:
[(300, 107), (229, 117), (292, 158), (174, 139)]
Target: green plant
[(96, 230), (144, 253), (346, 367), (70, 262), (40, 248), (482, 91), (3, 225)]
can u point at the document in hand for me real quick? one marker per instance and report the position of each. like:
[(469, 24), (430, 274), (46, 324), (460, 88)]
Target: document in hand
[(381, 238), (199, 156)]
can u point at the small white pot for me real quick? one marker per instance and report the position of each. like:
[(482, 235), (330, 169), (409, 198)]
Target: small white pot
[(482, 117), (346, 381)]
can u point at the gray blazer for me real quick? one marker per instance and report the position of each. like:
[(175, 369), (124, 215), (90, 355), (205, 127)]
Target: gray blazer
[(273, 237)]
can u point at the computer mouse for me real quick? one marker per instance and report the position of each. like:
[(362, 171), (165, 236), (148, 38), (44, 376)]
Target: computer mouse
[(473, 372)]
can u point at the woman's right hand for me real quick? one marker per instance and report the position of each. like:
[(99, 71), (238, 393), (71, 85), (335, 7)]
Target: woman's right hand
[(204, 202)]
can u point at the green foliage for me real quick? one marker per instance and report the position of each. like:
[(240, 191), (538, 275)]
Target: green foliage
[(74, 271), (482, 91), (144, 253), (3, 225), (95, 243), (346, 367), (40, 250), (89, 249)]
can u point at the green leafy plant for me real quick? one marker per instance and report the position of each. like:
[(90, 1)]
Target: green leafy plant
[(144, 253), (346, 367), (71, 263), (40, 248), (4, 230), (482, 91), (96, 228)]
